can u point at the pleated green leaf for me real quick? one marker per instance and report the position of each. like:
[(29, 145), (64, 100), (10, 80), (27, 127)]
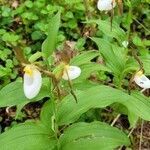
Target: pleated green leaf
[(100, 97), (87, 69), (84, 58), (114, 56), (27, 136), (49, 44), (47, 114), (146, 63), (92, 136), (12, 94), (114, 32)]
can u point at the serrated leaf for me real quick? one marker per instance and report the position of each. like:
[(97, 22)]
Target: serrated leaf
[(48, 45), (93, 135), (100, 97), (27, 136)]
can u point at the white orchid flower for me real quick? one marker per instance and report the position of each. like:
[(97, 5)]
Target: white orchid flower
[(32, 81), (141, 80), (71, 72), (106, 5)]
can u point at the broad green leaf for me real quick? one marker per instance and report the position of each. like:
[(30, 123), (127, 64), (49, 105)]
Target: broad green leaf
[(133, 119), (116, 32), (114, 56), (19, 108), (138, 41), (48, 45), (100, 97), (132, 65), (12, 94), (146, 63), (85, 84), (27, 136), (85, 57), (92, 136), (47, 114), (89, 68)]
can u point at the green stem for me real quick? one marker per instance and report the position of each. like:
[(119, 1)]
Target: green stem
[(87, 11), (55, 111), (129, 22)]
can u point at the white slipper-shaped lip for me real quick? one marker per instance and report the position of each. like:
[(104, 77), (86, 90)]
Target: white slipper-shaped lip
[(32, 81), (106, 5), (141, 80), (71, 72)]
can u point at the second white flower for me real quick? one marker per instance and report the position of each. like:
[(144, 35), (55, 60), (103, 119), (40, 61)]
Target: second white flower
[(71, 72)]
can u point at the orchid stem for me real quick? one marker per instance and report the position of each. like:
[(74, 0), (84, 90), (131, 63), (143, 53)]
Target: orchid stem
[(71, 89)]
